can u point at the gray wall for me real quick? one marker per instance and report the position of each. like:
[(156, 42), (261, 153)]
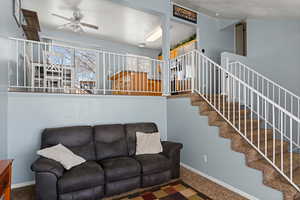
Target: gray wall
[(3, 100), (8, 27), (93, 42), (29, 114), (273, 50), (199, 139), (213, 39)]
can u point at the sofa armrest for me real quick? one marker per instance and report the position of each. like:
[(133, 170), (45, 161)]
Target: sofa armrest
[(172, 151), (170, 148), (47, 165)]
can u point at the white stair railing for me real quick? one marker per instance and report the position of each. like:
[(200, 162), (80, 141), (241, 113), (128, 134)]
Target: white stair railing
[(265, 124), (273, 91), (55, 68), (181, 73)]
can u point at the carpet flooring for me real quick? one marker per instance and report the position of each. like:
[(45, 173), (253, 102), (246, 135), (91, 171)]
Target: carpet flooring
[(177, 190)]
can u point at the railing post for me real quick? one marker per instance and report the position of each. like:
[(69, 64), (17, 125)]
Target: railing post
[(193, 71), (98, 71), (10, 59), (166, 78), (104, 74), (227, 89)]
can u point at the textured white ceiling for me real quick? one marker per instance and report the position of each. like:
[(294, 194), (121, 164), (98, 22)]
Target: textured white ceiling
[(240, 9), (116, 22)]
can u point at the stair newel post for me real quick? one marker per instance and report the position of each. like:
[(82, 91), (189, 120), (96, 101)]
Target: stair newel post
[(193, 71)]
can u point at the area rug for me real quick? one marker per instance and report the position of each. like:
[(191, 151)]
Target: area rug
[(173, 191)]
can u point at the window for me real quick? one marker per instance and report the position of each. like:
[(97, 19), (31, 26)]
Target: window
[(85, 65)]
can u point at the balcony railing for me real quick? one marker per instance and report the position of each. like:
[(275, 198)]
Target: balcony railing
[(52, 68)]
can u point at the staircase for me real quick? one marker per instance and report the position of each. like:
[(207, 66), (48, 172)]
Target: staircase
[(259, 121)]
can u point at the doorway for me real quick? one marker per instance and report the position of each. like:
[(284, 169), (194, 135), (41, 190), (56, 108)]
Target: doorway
[(241, 39)]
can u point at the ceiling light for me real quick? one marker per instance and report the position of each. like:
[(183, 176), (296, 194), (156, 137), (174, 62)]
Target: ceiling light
[(217, 14), (142, 45), (154, 35)]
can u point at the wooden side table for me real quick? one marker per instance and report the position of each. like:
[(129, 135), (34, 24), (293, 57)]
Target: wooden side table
[(5, 178)]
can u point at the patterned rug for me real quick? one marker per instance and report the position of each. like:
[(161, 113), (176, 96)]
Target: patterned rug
[(173, 191)]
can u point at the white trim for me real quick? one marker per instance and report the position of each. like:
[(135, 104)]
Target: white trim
[(29, 94), (230, 187), (24, 184)]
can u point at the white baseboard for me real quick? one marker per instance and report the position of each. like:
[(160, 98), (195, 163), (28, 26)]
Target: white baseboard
[(230, 187), (20, 185)]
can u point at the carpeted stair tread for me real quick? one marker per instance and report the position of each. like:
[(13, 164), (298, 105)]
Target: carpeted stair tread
[(261, 134), (243, 114), (296, 176), (196, 97), (286, 162)]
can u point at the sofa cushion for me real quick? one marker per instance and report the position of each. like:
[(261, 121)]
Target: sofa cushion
[(131, 130), (153, 163), (110, 141), (63, 155), (79, 139), (84, 176), (147, 143), (121, 168)]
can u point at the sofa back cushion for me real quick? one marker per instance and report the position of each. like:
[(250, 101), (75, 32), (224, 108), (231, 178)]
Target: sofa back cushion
[(79, 139), (110, 141), (131, 130)]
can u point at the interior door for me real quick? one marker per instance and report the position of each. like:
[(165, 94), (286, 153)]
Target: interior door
[(241, 39)]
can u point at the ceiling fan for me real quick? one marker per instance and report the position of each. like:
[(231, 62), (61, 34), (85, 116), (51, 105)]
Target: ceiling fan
[(74, 23)]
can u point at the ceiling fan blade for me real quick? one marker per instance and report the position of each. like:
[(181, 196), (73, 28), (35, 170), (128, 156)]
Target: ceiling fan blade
[(61, 17), (64, 26), (89, 25)]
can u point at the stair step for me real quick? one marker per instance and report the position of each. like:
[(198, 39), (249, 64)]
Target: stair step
[(286, 161), (261, 134), (214, 116), (289, 192), (246, 124), (209, 97), (242, 146), (236, 113), (269, 144), (204, 106), (286, 168), (296, 176), (243, 125), (226, 105), (222, 104)]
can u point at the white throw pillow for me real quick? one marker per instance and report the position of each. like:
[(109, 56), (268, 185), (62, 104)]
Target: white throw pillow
[(148, 143), (62, 155)]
